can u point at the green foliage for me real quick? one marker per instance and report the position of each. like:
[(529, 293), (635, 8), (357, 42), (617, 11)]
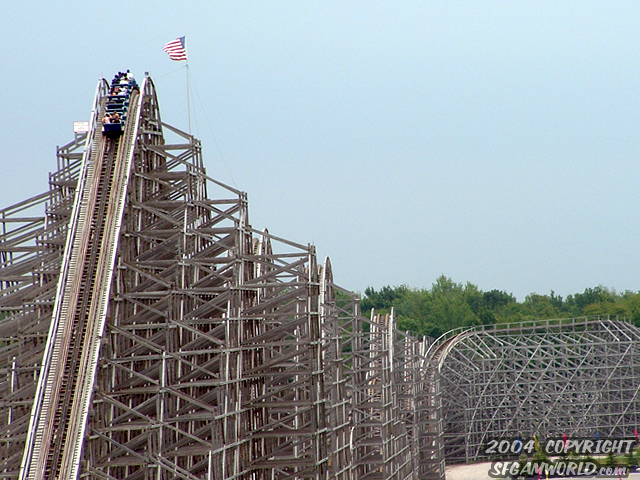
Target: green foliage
[(448, 305), (383, 300)]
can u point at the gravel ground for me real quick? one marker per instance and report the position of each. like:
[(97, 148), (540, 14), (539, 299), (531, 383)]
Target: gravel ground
[(480, 471), (477, 471)]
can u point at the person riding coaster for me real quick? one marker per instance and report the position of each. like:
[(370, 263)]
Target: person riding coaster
[(122, 85)]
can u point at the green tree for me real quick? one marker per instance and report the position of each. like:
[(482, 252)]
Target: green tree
[(449, 304)]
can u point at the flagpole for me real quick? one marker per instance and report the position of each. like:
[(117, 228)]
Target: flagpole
[(177, 50), (188, 98)]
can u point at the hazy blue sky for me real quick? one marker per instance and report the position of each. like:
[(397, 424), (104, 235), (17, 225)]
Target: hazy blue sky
[(494, 142)]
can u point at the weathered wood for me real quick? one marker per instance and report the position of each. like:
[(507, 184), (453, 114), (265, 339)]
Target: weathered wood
[(220, 359)]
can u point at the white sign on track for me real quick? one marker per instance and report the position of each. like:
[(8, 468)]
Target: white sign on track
[(80, 127)]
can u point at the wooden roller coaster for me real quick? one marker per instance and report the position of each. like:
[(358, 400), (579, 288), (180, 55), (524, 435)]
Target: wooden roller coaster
[(148, 332)]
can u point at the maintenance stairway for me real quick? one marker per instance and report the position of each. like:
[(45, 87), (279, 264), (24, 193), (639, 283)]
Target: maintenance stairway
[(150, 332), (65, 386)]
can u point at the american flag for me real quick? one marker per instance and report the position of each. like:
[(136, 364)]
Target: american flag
[(176, 50)]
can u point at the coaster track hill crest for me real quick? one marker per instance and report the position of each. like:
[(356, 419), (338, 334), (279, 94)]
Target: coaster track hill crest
[(149, 332)]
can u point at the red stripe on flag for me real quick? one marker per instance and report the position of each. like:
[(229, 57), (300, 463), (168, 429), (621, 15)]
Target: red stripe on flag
[(176, 49)]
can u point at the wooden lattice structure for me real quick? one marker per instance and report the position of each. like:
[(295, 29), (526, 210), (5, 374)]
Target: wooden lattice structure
[(226, 352), (148, 331), (577, 377)]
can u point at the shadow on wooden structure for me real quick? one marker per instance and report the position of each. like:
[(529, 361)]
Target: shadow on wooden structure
[(150, 332), (221, 352)]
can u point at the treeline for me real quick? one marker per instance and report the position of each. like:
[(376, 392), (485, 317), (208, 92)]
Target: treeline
[(447, 305)]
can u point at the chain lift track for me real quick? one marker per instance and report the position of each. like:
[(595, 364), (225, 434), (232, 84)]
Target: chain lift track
[(63, 394), (148, 332)]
